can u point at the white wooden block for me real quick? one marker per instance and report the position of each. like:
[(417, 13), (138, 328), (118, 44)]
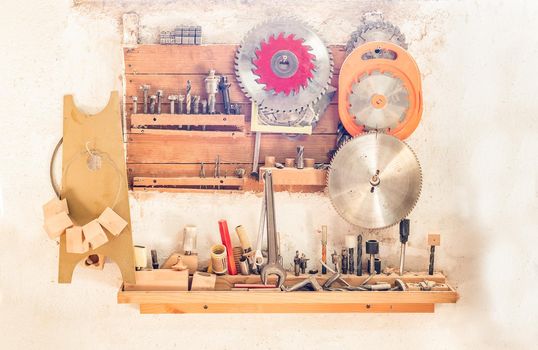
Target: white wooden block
[(110, 220), (57, 224), (55, 206), (94, 234), (202, 281), (160, 280), (75, 242)]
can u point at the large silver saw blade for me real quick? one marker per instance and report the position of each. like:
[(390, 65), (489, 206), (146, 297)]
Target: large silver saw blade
[(374, 181), (378, 101), (269, 101)]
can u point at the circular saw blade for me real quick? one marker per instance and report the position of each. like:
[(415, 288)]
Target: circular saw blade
[(291, 100), (373, 27), (374, 181), (378, 101)]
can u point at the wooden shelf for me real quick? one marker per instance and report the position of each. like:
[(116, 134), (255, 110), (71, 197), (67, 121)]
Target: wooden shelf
[(225, 301), (293, 176), (194, 182)]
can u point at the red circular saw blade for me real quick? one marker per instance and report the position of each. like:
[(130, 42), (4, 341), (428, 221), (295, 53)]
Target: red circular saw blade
[(269, 78)]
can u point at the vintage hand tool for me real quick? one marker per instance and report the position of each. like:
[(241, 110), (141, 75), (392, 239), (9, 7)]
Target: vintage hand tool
[(188, 98), (297, 264), (224, 88), (372, 248), (145, 89), (227, 242), (273, 266), (159, 101), (303, 263), (345, 261), (135, 104), (196, 104), (211, 88), (299, 159), (339, 277), (404, 236), (309, 281), (258, 256), (172, 99), (154, 259), (433, 240), (359, 255), (336, 261), (204, 107), (152, 100), (350, 245), (180, 100), (374, 180), (256, 158), (324, 248)]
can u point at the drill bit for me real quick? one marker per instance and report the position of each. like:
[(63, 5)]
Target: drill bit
[(359, 255), (324, 248)]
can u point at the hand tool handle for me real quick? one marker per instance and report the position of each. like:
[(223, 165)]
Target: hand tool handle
[(404, 231), (227, 242), (243, 238)]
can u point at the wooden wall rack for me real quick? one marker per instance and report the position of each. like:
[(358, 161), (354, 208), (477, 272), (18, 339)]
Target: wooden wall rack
[(225, 301), (157, 153)]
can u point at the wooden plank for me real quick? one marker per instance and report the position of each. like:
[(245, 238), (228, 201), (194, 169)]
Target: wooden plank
[(309, 298), (188, 181), (188, 119), (176, 84), (143, 148), (292, 176), (188, 133), (328, 123), (284, 308), (177, 59)]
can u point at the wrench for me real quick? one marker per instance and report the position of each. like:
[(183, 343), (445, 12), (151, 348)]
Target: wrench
[(258, 256), (256, 158), (273, 266)]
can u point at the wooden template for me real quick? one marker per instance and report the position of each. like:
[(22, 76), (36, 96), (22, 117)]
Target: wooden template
[(90, 192), (164, 152)]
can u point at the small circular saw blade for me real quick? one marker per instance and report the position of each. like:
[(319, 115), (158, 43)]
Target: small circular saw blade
[(374, 181), (378, 101)]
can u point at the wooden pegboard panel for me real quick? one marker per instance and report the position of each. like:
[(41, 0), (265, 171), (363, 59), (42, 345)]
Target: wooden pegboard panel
[(168, 67)]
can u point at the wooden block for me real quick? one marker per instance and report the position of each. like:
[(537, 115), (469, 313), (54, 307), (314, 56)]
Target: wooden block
[(434, 239), (202, 281), (189, 181), (110, 220), (57, 224), (160, 280), (55, 206), (75, 242), (191, 261), (94, 234), (237, 121)]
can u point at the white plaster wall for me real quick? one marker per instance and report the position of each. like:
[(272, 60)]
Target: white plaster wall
[(477, 146)]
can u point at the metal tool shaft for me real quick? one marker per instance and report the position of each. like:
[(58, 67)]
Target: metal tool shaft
[(432, 260), (256, 159), (402, 258), (359, 255)]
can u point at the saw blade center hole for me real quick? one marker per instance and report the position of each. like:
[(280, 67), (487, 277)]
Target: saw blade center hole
[(375, 181), (378, 101), (284, 63)]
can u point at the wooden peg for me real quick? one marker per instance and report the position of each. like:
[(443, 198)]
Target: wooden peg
[(434, 239), (95, 261), (94, 234), (57, 224), (110, 220), (75, 242), (270, 161), (55, 206)]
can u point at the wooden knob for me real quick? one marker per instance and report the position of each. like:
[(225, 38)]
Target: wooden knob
[(289, 162), (434, 239), (270, 161), (309, 162)]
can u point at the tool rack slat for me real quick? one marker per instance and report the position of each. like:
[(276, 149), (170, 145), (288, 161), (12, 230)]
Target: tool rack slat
[(165, 152)]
